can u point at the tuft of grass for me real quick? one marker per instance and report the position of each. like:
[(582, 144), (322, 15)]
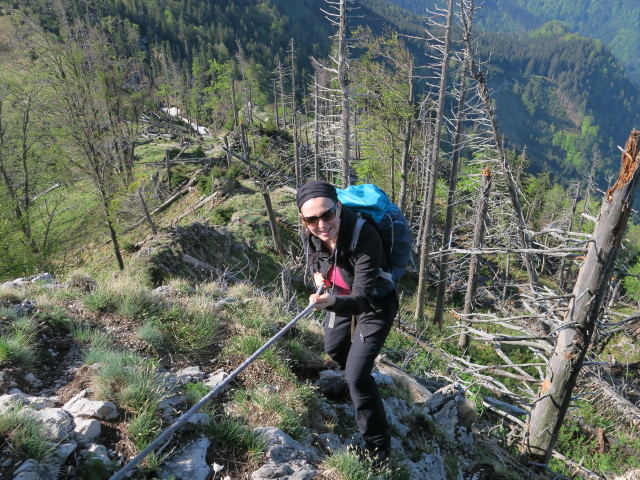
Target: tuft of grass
[(54, 316), (143, 428), (9, 296), (180, 285), (212, 289), (128, 296), (98, 339), (288, 411), (151, 333), (191, 329), (81, 281), (24, 433), (236, 436), (129, 380), (17, 341), (348, 465)]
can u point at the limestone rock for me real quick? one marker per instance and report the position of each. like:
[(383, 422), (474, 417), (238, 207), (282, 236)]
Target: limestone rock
[(190, 463), (189, 374), (80, 406), (332, 385), (58, 423), (282, 448), (295, 470), (429, 466), (86, 430)]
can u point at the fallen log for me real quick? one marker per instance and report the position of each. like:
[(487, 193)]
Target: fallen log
[(627, 410), (418, 392)]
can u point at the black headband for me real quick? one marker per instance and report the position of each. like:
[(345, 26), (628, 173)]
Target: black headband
[(316, 188)]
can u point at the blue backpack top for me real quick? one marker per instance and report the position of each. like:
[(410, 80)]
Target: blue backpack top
[(389, 220)]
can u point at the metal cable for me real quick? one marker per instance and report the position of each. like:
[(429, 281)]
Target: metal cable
[(120, 474)]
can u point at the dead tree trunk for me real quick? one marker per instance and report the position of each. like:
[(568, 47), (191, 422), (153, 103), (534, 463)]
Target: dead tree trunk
[(146, 212), (561, 268), (406, 146), (429, 201), (453, 183), (345, 95), (483, 91), (275, 231), (584, 308), (478, 237), (316, 130)]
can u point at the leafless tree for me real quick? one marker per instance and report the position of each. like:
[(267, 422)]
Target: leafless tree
[(443, 47), (585, 307)]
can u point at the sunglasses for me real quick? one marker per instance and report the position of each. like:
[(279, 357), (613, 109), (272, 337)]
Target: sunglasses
[(325, 217)]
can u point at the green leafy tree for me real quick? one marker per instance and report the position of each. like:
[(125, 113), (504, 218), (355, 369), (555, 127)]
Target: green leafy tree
[(99, 95)]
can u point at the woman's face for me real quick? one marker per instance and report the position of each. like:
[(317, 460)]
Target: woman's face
[(316, 211)]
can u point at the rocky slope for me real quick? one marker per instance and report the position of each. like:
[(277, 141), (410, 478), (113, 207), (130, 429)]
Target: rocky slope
[(432, 433)]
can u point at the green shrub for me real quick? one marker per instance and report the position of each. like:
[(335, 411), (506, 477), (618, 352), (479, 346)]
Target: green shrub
[(222, 215), (234, 171), (217, 172), (205, 185), (194, 391)]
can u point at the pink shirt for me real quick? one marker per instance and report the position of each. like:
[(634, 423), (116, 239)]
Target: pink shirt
[(334, 277)]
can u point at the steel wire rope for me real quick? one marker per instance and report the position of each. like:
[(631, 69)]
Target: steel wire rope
[(120, 474)]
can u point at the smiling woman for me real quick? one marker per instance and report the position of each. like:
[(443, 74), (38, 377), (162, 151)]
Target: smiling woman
[(358, 319)]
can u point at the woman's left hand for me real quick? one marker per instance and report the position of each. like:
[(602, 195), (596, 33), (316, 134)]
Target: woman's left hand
[(322, 301)]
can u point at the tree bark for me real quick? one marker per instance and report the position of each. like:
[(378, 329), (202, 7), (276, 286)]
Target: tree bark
[(453, 183), (584, 309), (345, 95), (478, 237), (429, 200), (275, 231)]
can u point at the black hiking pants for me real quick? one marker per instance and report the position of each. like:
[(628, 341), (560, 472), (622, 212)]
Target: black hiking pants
[(356, 357)]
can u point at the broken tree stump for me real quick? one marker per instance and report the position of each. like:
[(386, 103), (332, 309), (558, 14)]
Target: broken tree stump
[(584, 309)]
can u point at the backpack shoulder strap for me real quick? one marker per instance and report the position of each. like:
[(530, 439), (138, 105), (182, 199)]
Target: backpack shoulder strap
[(356, 232)]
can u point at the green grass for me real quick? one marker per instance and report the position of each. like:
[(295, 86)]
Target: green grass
[(24, 433), (190, 328), (348, 465), (97, 338), (143, 428), (615, 460), (194, 391), (17, 341), (128, 380), (235, 435), (56, 317), (287, 410), (128, 295)]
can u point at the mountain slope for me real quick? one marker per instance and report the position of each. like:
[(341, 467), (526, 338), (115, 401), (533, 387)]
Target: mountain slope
[(612, 21)]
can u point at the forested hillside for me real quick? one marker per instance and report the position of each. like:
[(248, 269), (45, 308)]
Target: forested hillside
[(614, 22)]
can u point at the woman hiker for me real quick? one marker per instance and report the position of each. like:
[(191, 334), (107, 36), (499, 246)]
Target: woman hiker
[(359, 318)]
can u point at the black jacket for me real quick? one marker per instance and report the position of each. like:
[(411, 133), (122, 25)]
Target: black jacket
[(359, 269)]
